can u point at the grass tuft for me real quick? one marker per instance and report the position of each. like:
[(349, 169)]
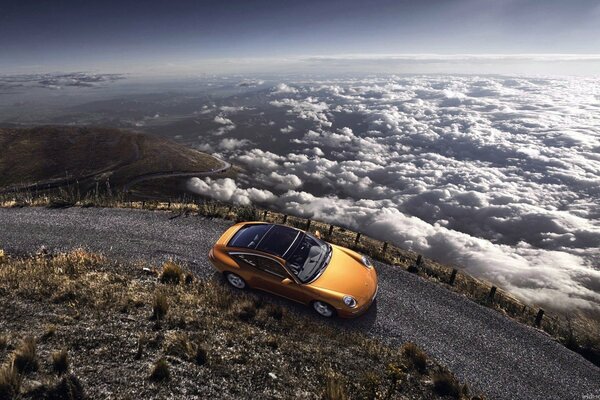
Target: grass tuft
[(446, 384), (177, 344), (160, 371), (160, 306), (10, 382), (414, 356), (25, 357), (60, 361), (171, 273), (3, 341), (67, 388), (334, 388), (245, 310)]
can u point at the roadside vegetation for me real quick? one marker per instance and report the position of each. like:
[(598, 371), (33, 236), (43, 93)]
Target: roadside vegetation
[(578, 332), (77, 325)]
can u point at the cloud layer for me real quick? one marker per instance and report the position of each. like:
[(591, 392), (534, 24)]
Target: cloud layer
[(500, 175)]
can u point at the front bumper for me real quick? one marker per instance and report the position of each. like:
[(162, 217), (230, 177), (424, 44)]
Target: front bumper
[(361, 309)]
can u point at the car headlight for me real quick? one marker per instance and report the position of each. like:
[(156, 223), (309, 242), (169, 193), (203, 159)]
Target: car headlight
[(350, 301), (367, 262)]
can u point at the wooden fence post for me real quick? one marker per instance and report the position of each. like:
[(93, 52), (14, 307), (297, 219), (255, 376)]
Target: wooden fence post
[(265, 215), (419, 260), (384, 248), (538, 318), (492, 294), (308, 221), (330, 231), (143, 204), (284, 219), (357, 239), (453, 276)]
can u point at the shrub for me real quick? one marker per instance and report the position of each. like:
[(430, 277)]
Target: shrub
[(60, 361), (171, 273), (25, 357), (246, 213), (415, 357), (160, 371), (160, 306), (446, 384), (10, 382)]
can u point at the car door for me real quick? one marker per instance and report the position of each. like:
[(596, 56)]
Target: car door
[(270, 276)]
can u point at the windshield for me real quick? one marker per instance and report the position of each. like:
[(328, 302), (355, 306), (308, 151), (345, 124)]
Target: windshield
[(309, 258)]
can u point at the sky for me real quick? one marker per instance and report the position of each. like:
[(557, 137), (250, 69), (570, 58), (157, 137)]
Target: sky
[(117, 35)]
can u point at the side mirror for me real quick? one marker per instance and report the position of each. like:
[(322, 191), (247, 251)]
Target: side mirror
[(318, 234), (287, 281)]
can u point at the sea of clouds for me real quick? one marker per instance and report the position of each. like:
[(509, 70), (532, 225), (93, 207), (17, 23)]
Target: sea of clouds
[(498, 175)]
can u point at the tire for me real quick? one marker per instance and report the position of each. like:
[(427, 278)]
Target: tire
[(235, 281), (323, 309)]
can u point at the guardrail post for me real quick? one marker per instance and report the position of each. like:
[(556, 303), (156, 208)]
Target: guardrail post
[(169, 205), (284, 219), (265, 215), (143, 204), (330, 231), (384, 248), (308, 221), (492, 294), (419, 260), (357, 239), (538, 318), (453, 276)]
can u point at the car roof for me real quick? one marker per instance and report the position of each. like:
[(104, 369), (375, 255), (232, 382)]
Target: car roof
[(270, 238)]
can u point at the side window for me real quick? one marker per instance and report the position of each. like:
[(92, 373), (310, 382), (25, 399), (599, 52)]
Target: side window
[(248, 259), (264, 264), (272, 267)]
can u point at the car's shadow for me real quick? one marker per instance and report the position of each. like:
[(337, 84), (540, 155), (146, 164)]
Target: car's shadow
[(363, 322)]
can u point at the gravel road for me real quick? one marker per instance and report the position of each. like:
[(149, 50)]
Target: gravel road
[(503, 359)]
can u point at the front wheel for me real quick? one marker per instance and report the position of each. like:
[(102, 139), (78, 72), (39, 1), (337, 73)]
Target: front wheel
[(235, 280), (323, 309)]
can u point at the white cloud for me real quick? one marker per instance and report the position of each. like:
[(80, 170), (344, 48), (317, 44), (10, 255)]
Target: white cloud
[(498, 174), (227, 190), (283, 88), (232, 143), (219, 119)]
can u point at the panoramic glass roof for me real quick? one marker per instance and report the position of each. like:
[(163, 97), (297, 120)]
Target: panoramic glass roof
[(274, 239)]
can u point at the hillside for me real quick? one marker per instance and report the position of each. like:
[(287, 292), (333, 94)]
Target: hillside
[(54, 156), (78, 325)]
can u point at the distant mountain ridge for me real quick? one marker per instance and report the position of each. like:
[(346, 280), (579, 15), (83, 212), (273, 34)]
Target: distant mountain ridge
[(52, 156)]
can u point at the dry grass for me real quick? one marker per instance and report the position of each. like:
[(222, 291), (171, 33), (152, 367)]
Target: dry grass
[(171, 273), (60, 361), (160, 306), (414, 356), (446, 384), (334, 387), (160, 371), (199, 344), (25, 356), (10, 382)]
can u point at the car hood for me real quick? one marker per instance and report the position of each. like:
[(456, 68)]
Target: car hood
[(346, 274)]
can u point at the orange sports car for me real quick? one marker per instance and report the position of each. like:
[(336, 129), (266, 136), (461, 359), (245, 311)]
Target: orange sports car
[(297, 265)]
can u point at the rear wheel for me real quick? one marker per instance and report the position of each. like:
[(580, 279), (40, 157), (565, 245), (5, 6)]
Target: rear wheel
[(235, 280), (323, 309)]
